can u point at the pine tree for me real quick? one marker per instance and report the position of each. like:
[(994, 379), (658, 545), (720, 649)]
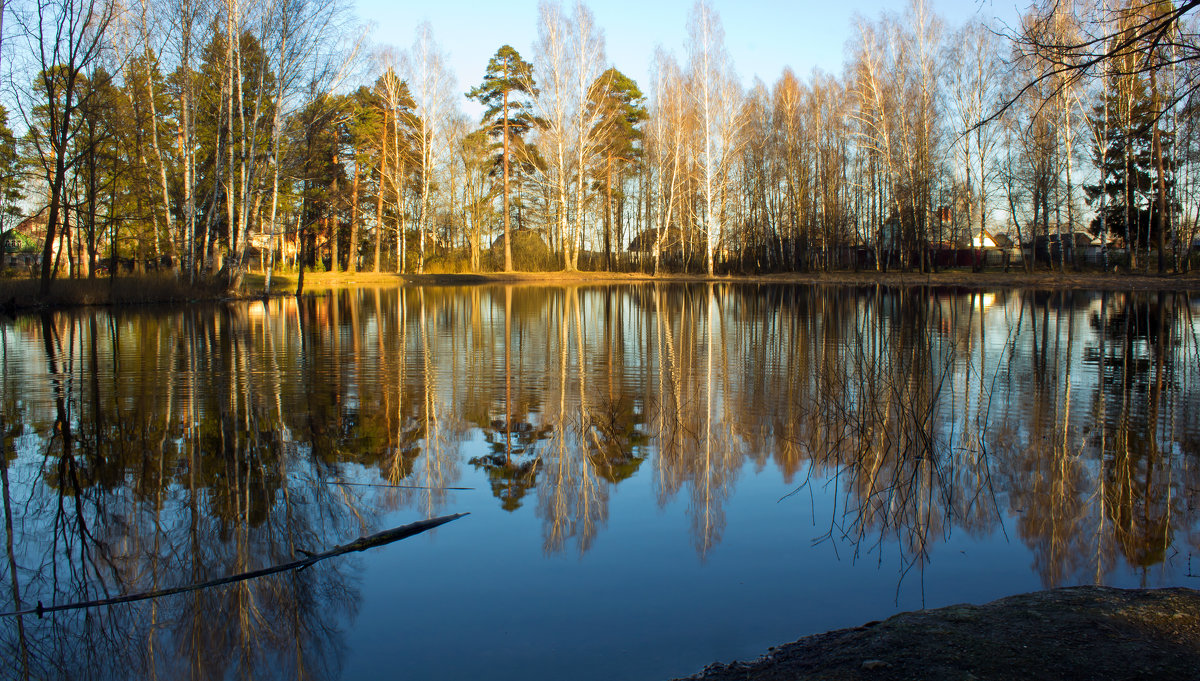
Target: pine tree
[(10, 179), (1127, 164), (622, 108), (366, 129), (507, 76)]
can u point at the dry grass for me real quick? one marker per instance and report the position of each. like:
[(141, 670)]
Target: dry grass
[(952, 278), (321, 281)]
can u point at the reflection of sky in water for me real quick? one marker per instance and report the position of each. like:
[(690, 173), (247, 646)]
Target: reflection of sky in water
[(631, 545)]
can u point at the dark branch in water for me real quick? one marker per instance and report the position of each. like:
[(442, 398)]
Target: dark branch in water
[(377, 484), (361, 544)]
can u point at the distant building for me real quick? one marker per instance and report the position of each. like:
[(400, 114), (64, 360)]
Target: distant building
[(984, 241), (1002, 240), (34, 227), (22, 245)]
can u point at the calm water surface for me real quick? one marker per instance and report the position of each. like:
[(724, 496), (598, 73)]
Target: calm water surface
[(659, 476)]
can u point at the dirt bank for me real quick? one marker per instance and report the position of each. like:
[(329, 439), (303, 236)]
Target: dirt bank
[(1086, 632)]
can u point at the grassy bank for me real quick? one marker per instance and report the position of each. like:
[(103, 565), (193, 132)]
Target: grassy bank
[(23, 294), (957, 278)]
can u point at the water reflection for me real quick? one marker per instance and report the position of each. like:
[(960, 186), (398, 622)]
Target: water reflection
[(148, 449)]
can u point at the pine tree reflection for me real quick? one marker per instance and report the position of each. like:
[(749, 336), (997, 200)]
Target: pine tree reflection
[(617, 443), (514, 459), (1138, 473), (1114, 483)]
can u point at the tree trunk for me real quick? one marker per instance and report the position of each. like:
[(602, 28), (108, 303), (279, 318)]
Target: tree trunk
[(379, 217), (1162, 191), (507, 243), (352, 254)]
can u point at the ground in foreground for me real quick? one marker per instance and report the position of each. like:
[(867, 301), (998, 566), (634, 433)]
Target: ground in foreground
[(1086, 632)]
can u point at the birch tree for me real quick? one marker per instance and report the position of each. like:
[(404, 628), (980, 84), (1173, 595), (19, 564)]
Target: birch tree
[(974, 74), (431, 84), (667, 133), (587, 59), (552, 71), (876, 128), (396, 153), (301, 38), (188, 15), (714, 94)]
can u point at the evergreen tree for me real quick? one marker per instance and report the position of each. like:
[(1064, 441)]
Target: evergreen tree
[(622, 108), (105, 151), (10, 178), (365, 131), (321, 173), (507, 76), (1124, 154)]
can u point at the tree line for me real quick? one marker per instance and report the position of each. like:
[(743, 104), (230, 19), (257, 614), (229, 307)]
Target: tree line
[(214, 136)]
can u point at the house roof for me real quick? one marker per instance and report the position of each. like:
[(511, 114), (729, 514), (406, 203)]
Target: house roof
[(34, 226), (18, 242)]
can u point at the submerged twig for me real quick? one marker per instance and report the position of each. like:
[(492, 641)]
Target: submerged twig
[(360, 544)]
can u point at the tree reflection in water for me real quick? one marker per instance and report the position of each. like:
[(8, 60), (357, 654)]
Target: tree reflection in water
[(150, 449)]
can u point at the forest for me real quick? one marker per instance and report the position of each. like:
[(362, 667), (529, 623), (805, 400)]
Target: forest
[(213, 138)]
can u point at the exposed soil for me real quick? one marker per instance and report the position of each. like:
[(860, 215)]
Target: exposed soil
[(1086, 632)]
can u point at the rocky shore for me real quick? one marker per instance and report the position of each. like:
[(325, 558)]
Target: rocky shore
[(1086, 632)]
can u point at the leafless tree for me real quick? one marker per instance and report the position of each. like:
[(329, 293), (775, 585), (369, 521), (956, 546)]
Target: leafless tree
[(666, 142), (974, 78), (67, 40), (1126, 35), (715, 95), (431, 84), (552, 73)]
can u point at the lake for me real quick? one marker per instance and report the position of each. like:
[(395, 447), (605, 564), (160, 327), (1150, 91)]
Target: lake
[(658, 476)]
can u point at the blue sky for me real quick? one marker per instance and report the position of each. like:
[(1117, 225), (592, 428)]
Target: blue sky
[(761, 36)]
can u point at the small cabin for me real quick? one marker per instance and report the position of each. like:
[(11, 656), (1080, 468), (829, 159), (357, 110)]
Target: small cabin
[(984, 240)]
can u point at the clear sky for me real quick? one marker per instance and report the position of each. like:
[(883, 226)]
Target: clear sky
[(761, 36)]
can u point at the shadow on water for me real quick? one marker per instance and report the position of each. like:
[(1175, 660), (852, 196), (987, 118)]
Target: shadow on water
[(150, 449)]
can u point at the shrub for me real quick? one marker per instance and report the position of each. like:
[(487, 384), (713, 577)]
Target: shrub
[(529, 253), (454, 262)]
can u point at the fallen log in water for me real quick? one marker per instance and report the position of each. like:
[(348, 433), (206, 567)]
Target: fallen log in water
[(360, 544)]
